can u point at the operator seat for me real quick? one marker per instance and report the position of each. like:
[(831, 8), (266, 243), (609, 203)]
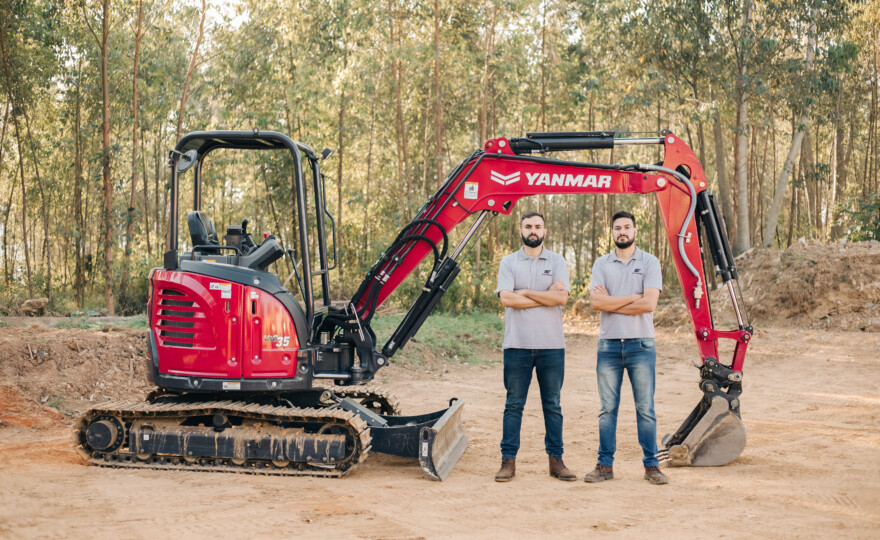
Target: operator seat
[(201, 230)]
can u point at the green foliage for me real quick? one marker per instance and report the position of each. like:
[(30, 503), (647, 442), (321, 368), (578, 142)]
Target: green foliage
[(86, 323), (465, 337), (865, 219), (76, 322), (358, 77)]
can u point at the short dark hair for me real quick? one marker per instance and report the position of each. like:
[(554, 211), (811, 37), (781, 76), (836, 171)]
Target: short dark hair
[(527, 215), (623, 214)]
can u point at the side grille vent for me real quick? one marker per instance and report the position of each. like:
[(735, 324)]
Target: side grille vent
[(181, 322)]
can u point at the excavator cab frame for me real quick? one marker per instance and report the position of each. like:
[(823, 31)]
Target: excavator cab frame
[(192, 150)]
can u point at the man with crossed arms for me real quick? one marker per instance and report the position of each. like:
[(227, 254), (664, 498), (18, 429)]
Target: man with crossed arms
[(624, 287), (533, 287)]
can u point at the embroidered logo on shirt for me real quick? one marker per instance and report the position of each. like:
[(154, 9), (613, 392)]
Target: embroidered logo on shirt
[(637, 271), (547, 271)]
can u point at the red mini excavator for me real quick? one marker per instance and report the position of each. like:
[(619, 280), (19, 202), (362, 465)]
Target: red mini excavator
[(252, 379)]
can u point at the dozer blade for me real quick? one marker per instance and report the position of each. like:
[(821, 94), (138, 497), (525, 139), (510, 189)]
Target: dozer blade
[(443, 444), (437, 439), (717, 438)]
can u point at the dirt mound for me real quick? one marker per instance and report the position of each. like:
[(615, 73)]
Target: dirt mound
[(66, 369), (18, 411), (810, 284)]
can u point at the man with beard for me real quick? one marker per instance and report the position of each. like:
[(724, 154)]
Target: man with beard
[(624, 287), (533, 286)]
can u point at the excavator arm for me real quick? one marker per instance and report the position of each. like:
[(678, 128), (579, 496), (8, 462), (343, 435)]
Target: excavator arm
[(490, 182)]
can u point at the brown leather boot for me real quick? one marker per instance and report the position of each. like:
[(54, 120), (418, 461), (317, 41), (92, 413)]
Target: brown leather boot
[(559, 470), (507, 470), (653, 475), (599, 474)]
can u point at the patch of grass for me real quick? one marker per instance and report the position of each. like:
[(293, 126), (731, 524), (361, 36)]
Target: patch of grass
[(464, 337), (86, 323), (57, 402), (76, 322), (136, 322)]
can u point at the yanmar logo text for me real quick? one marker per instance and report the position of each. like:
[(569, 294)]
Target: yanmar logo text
[(504, 180), (569, 180)]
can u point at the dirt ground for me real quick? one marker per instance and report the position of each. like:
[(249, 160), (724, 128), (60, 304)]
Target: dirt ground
[(811, 407)]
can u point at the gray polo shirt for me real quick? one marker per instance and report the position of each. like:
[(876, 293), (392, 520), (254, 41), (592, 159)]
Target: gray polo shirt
[(536, 327), (640, 272)]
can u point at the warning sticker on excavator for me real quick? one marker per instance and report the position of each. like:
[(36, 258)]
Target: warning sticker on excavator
[(224, 288), (471, 190)]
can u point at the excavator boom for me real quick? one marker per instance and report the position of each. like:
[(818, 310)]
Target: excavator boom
[(490, 182)]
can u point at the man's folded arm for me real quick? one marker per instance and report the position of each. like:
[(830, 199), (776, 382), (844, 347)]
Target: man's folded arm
[(547, 298), (513, 300), (646, 304), (600, 300)]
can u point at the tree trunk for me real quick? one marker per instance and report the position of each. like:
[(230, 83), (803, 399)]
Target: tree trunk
[(399, 125), (11, 195), (367, 193), (79, 280), (811, 188), (6, 274), (721, 168), (741, 241), (105, 158), (438, 107), (339, 175), (146, 211), (43, 202), (24, 237), (543, 69), (842, 167), (488, 51), (18, 144), (192, 66), (159, 215), (44, 207), (794, 211), (797, 139), (129, 214)]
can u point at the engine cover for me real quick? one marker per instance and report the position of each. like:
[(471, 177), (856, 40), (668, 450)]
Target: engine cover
[(206, 329)]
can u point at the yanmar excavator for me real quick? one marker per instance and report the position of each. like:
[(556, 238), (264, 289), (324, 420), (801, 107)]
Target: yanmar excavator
[(251, 378)]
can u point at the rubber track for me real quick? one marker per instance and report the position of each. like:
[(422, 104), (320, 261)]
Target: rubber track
[(134, 410), (371, 391)]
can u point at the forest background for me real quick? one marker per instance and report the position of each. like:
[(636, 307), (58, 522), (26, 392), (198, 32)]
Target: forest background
[(778, 98)]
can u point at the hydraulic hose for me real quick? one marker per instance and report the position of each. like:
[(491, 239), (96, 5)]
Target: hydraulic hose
[(687, 220)]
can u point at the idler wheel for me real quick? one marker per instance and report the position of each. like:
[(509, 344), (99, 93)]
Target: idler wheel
[(104, 434)]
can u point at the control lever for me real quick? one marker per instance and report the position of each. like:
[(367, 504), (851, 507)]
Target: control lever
[(247, 243)]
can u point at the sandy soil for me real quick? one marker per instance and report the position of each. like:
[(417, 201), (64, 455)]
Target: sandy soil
[(811, 407)]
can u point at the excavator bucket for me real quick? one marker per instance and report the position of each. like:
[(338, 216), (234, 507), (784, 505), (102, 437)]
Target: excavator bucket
[(713, 435), (436, 439)]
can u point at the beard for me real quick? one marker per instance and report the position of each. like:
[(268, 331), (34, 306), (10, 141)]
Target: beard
[(532, 242), (623, 244)]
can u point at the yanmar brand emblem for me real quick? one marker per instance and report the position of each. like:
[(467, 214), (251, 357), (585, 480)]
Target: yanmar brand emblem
[(569, 180), (504, 180)]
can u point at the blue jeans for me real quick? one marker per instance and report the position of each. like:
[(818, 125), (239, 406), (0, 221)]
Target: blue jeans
[(638, 358), (549, 365)]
